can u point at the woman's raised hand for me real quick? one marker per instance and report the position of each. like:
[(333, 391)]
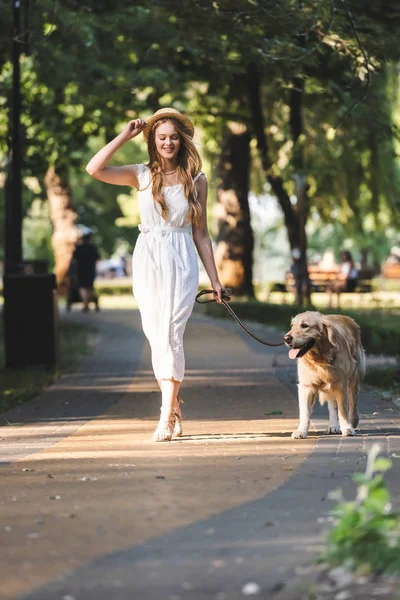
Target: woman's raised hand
[(133, 128)]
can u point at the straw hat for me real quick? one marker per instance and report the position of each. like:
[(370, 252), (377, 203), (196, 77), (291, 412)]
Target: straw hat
[(165, 113)]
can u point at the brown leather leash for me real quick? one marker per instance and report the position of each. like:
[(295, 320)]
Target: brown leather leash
[(226, 296)]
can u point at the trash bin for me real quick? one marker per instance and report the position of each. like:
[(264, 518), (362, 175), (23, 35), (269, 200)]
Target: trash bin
[(31, 267), (31, 322)]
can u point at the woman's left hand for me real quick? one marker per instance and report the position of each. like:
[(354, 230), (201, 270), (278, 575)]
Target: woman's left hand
[(217, 287)]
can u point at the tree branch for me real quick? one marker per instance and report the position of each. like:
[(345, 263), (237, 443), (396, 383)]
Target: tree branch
[(366, 60)]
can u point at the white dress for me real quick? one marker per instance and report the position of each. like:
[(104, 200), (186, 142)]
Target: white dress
[(165, 275)]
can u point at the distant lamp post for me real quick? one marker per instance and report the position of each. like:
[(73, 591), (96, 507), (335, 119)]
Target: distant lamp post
[(13, 216), (30, 304)]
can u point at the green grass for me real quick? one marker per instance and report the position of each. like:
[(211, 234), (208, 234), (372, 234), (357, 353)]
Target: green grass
[(380, 329), (113, 287), (18, 385)]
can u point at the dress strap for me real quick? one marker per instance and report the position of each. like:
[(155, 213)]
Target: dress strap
[(143, 175), (140, 169), (199, 174)]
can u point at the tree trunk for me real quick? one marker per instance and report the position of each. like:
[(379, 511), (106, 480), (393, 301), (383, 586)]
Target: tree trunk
[(63, 218), (235, 241), (302, 280), (295, 217), (303, 283)]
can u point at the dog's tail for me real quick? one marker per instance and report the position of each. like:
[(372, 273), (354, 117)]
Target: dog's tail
[(353, 408), (361, 363)]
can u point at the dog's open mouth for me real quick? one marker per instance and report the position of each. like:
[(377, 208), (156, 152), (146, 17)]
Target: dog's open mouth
[(299, 352)]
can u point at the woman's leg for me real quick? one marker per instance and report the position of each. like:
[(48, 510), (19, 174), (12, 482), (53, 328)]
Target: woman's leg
[(329, 291), (85, 296), (169, 405), (178, 429), (335, 288), (169, 392), (340, 288)]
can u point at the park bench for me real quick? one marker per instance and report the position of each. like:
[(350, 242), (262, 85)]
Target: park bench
[(320, 279), (391, 270)]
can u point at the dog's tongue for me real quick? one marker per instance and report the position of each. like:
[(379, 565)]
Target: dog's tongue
[(294, 352)]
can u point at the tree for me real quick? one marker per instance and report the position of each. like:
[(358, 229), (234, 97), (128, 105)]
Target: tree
[(235, 241), (71, 70), (334, 49), (290, 73)]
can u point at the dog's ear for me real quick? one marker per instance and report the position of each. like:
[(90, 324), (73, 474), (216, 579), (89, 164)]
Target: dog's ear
[(329, 331)]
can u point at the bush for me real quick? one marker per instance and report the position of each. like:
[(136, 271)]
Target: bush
[(386, 377), (380, 332), (365, 532)]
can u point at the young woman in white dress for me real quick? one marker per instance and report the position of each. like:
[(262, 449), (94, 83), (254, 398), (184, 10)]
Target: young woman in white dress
[(172, 193)]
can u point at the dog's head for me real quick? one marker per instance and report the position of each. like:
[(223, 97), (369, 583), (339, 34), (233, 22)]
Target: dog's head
[(308, 330)]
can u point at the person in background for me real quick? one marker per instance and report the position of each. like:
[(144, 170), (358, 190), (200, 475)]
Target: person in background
[(302, 282), (86, 256), (347, 278), (122, 262)]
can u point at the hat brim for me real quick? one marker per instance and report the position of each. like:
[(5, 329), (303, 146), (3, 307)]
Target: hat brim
[(168, 115)]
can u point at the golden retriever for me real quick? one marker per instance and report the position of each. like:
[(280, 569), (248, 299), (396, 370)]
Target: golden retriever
[(331, 363)]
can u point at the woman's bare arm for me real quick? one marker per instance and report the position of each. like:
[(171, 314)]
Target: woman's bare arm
[(202, 240), (126, 175)]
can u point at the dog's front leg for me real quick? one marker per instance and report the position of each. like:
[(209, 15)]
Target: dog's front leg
[(306, 401)]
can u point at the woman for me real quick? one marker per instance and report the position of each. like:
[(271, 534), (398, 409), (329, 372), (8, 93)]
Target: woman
[(346, 280), (172, 194)]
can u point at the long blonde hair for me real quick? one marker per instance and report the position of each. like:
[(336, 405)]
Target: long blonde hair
[(189, 165)]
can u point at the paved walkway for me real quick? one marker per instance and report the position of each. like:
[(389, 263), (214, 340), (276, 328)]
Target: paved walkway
[(92, 509)]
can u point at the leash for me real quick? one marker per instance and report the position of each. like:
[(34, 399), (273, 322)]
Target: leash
[(226, 296)]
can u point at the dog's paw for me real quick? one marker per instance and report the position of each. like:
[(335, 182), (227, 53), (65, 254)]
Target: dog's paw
[(333, 430), (348, 432), (299, 434)]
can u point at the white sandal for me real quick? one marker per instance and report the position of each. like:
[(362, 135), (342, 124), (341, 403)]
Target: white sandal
[(178, 429), (165, 427)]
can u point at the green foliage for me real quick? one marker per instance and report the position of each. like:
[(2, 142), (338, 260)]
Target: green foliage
[(379, 331), (90, 68), (375, 243), (37, 232), (98, 205), (365, 532), (353, 170)]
